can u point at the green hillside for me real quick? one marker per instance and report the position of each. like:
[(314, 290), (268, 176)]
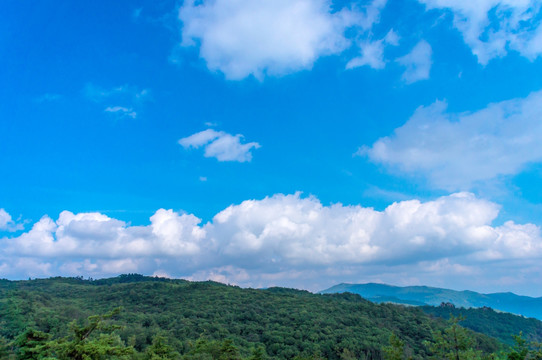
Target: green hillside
[(276, 323), (490, 322)]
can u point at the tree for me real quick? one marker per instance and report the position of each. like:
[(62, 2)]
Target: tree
[(32, 344), (228, 351), (160, 350), (454, 343), (395, 350), (524, 350), (258, 353), (4, 348), (86, 344), (520, 349), (204, 349)]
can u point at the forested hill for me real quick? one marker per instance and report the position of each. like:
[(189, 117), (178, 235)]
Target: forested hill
[(196, 317), (490, 322), (424, 295)]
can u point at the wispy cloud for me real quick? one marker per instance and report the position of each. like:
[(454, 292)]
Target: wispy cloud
[(121, 111), (128, 96), (7, 223), (136, 13), (372, 52), (48, 97), (125, 92), (260, 242), (417, 63), (220, 145), (492, 27), (455, 151)]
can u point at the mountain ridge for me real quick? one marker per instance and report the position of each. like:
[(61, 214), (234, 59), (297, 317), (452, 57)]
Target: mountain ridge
[(502, 301)]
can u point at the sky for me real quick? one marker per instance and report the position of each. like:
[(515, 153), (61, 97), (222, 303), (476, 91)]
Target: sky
[(298, 143)]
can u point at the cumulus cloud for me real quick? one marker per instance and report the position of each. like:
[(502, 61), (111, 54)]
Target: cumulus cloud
[(492, 27), (417, 63), (220, 145), (7, 223), (242, 37), (456, 151), (279, 239), (97, 235)]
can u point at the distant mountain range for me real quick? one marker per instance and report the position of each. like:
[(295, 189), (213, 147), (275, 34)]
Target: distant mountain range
[(424, 295)]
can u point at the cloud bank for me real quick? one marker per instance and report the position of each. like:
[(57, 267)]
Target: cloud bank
[(220, 145), (456, 151), (281, 239)]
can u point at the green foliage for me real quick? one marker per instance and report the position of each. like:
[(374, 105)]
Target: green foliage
[(176, 319), (490, 322), (454, 343), (395, 350), (94, 341), (524, 350), (32, 344), (216, 350), (5, 348), (160, 350), (258, 353)]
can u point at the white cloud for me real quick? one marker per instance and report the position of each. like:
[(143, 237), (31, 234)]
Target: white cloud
[(226, 274), (292, 230), (372, 52), (417, 63), (96, 235), (284, 240), (124, 92), (5, 219), (275, 37), (7, 223), (492, 27), (32, 267), (130, 96), (121, 111), (456, 151), (220, 145)]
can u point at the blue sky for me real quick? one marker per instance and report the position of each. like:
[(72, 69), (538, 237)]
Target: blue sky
[(297, 143)]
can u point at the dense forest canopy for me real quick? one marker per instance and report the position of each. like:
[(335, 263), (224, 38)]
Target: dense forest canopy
[(60, 316)]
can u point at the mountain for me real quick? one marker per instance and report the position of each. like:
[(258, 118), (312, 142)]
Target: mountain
[(424, 295)]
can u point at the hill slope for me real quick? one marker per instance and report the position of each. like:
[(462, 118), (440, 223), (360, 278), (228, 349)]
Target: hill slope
[(423, 295), (487, 321)]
